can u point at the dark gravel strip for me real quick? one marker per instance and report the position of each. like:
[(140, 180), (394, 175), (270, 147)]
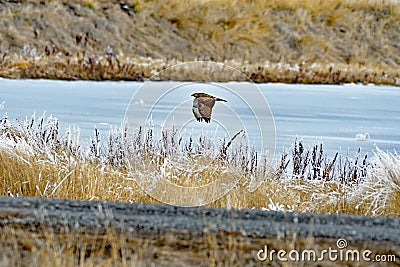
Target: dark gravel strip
[(150, 220)]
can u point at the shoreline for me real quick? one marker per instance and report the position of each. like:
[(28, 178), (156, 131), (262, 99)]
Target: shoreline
[(98, 70)]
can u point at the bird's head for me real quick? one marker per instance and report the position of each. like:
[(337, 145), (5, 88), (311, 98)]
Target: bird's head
[(201, 95)]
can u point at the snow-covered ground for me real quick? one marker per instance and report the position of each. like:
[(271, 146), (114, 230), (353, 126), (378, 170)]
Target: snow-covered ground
[(343, 117)]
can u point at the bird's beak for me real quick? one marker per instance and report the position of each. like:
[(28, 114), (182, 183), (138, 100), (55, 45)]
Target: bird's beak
[(192, 94)]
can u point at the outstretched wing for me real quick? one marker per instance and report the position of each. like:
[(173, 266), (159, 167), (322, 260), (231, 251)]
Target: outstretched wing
[(205, 107)]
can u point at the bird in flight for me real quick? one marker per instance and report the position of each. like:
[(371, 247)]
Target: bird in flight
[(202, 106)]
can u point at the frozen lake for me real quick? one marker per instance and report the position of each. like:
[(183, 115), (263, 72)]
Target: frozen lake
[(333, 114)]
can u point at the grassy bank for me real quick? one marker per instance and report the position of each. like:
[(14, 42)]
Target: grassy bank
[(307, 41), (37, 161)]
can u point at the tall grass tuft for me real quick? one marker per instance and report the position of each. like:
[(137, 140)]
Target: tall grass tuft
[(380, 191)]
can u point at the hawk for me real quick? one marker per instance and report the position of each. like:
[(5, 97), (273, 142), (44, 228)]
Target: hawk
[(202, 106)]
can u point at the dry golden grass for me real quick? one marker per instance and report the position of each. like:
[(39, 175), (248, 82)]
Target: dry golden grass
[(307, 41), (22, 247), (36, 162), (43, 247)]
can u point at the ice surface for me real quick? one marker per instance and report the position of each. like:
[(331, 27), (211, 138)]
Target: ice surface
[(333, 114)]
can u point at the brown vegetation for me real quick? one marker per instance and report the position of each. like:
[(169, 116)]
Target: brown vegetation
[(306, 41), (36, 161)]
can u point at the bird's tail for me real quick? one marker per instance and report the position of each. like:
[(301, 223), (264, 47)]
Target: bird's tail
[(220, 99)]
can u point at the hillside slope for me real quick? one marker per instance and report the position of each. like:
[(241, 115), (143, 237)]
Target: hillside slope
[(307, 41)]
